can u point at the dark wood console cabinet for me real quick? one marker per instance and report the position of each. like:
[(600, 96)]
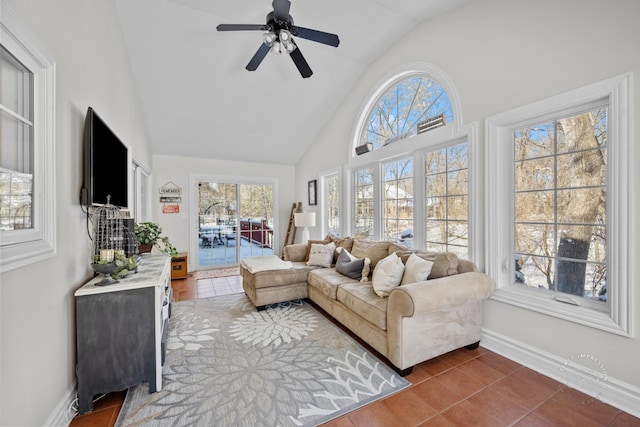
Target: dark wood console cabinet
[(121, 331)]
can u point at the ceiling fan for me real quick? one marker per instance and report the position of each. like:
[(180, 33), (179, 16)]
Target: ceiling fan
[(279, 37)]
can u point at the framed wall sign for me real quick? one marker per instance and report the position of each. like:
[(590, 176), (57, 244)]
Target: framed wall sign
[(313, 198)]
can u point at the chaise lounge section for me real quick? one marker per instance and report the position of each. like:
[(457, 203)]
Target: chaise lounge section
[(415, 322)]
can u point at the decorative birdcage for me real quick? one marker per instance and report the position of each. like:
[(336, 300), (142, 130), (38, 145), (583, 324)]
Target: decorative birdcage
[(111, 242)]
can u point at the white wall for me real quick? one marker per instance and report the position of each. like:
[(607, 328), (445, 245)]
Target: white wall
[(37, 327), (502, 54), (179, 170)]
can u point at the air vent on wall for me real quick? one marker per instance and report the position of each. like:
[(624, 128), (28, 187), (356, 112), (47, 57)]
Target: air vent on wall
[(364, 148), (431, 123)]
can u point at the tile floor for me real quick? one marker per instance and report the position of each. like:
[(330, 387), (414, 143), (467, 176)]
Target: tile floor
[(460, 388)]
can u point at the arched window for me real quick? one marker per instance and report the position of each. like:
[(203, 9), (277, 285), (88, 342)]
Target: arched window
[(411, 166), (413, 105)]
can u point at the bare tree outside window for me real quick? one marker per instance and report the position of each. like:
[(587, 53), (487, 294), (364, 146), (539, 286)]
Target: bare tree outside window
[(447, 200), (560, 170), (398, 201), (333, 204), (363, 212), (402, 107)]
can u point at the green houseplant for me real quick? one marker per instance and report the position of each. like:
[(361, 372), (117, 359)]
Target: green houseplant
[(149, 234)]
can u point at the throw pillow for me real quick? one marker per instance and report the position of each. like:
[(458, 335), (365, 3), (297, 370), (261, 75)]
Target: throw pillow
[(416, 270), (366, 263), (348, 267), (444, 263), (346, 243), (387, 275), (321, 255), (375, 251), (324, 241)]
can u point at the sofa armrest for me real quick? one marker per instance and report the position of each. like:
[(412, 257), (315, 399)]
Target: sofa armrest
[(296, 252), (436, 294), (426, 319)]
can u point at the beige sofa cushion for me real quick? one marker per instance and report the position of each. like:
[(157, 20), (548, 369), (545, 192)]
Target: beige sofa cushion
[(327, 281), (375, 251), (266, 279), (360, 298), (346, 243), (444, 263)]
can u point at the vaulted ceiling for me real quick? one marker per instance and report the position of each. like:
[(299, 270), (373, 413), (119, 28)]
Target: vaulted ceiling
[(198, 100)]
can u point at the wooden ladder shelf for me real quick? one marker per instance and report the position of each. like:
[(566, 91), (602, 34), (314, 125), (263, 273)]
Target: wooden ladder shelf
[(291, 229)]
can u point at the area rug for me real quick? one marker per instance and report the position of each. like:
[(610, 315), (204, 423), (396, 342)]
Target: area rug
[(230, 365), (217, 272)]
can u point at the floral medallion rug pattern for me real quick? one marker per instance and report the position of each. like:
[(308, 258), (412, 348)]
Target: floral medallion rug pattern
[(230, 365)]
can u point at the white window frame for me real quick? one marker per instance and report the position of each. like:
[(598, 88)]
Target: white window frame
[(616, 92), (23, 247), (141, 205), (324, 200), (452, 134)]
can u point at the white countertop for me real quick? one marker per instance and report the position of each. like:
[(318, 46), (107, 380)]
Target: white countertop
[(150, 272)]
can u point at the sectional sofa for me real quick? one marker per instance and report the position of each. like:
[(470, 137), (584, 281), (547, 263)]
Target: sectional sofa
[(409, 324)]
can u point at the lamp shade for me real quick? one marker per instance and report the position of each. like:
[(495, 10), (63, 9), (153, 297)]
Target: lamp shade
[(305, 219)]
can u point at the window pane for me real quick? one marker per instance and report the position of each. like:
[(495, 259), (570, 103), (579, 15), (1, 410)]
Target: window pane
[(402, 107), (536, 272), (537, 174), (398, 201), (16, 145), (16, 210), (535, 206), (436, 185), (457, 182), (535, 141), (436, 231), (447, 205), (15, 86), (458, 233), (571, 168), (535, 239), (333, 205), (363, 206), (561, 217)]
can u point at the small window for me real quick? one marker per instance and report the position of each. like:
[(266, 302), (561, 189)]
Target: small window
[(398, 201), (16, 144), (364, 206), (559, 176), (414, 105), (447, 200), (332, 185), (559, 204), (27, 140)]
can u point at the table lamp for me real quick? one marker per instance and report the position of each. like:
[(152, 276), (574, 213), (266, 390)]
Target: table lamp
[(305, 219)]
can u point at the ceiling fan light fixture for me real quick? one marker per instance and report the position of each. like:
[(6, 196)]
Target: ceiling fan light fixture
[(269, 38), (289, 46), (276, 48), (284, 35)]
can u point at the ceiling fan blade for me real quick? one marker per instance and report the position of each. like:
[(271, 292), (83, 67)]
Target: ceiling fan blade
[(258, 57), (242, 27), (316, 36), (301, 63), (281, 10)]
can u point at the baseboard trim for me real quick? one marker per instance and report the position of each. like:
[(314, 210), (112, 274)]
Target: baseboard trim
[(62, 415), (593, 382)]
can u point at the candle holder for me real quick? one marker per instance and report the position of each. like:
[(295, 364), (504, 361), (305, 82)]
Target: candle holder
[(109, 236)]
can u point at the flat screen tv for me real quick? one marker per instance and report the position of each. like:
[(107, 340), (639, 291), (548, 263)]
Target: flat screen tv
[(106, 165)]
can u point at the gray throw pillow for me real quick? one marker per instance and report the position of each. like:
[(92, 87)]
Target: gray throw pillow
[(345, 266)]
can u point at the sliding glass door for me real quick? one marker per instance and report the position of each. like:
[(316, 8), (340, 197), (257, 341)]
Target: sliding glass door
[(235, 221)]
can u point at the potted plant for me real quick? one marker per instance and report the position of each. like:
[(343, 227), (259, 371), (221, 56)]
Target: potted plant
[(149, 234)]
